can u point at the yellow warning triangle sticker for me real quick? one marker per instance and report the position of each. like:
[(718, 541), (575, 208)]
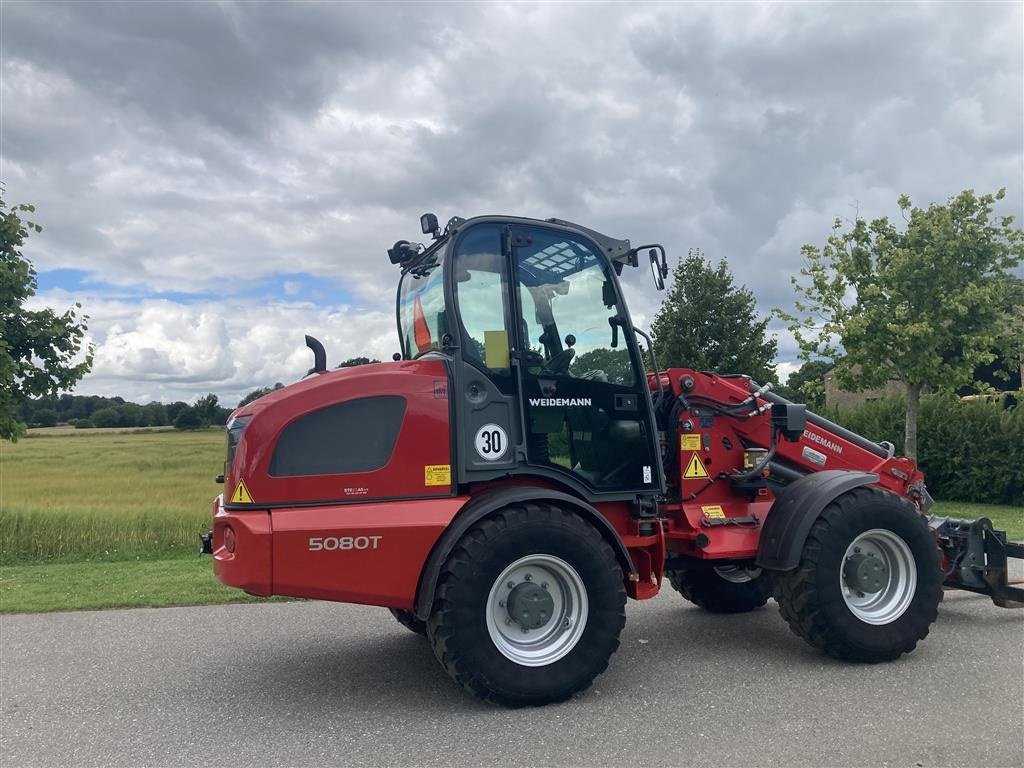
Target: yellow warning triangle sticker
[(241, 494), (693, 470)]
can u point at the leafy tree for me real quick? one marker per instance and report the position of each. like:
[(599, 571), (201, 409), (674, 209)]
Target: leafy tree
[(806, 385), (154, 415), (352, 362), (256, 394), (37, 348), (1012, 343), (924, 305), (188, 418), (708, 323), (45, 417), (84, 424), (613, 362), (174, 409), (106, 417), (206, 409)]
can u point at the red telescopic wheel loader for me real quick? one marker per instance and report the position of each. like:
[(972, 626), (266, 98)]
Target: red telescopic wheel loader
[(517, 472)]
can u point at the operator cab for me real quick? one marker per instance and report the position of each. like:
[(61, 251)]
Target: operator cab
[(546, 377)]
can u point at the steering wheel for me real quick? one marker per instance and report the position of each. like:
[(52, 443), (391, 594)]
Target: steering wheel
[(559, 364)]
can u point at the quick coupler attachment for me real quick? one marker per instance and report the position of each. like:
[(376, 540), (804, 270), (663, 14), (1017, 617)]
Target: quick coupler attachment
[(206, 543), (975, 557)]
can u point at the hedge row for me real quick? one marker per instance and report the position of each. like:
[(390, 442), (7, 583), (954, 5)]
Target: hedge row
[(969, 451)]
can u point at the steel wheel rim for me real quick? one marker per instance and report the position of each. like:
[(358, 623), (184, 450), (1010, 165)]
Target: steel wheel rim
[(563, 629), (734, 574), (891, 601)]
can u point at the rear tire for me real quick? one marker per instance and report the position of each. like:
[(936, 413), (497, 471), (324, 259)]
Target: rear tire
[(529, 606), (408, 620), (726, 589), (869, 581)]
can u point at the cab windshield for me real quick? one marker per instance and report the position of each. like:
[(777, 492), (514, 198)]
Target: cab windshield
[(421, 310)]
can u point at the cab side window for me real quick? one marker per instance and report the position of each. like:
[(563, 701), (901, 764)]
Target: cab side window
[(481, 294)]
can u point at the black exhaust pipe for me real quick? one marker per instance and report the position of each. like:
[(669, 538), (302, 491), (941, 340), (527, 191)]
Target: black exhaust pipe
[(319, 355)]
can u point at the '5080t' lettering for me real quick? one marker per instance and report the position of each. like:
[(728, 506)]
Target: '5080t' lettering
[(330, 543)]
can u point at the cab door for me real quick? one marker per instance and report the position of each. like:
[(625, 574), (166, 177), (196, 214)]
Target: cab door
[(551, 378)]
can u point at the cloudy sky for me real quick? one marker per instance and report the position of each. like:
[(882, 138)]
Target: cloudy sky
[(216, 179)]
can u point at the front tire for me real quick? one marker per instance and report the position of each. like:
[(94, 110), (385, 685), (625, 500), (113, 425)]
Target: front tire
[(869, 581), (529, 606), (723, 589)]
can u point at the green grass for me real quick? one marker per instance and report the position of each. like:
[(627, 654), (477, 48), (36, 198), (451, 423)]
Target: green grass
[(106, 495), (119, 584)]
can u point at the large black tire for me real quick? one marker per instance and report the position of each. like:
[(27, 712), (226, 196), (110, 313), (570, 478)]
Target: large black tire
[(408, 620), (718, 593), (818, 603), (471, 629)]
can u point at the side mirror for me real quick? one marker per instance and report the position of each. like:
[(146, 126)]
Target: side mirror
[(429, 226), (656, 272)]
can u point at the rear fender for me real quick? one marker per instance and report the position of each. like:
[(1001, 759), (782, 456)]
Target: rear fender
[(796, 508), (490, 501)]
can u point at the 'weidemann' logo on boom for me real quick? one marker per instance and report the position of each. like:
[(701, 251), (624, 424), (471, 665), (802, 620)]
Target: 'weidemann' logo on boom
[(540, 401)]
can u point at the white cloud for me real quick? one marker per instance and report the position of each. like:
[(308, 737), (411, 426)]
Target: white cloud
[(164, 350)]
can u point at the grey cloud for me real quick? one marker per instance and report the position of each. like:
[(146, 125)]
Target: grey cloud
[(204, 147)]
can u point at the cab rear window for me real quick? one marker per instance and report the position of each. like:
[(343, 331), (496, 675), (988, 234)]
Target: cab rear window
[(354, 436)]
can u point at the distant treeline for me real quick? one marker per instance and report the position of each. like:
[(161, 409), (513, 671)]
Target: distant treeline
[(86, 411)]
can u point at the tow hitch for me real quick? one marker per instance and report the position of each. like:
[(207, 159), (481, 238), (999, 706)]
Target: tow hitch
[(976, 558)]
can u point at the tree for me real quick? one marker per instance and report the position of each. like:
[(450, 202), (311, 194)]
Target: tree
[(806, 384), (188, 418), (708, 323), (45, 417), (614, 363), (1012, 343), (37, 348), (924, 305), (256, 394), (352, 362), (206, 409), (106, 417)]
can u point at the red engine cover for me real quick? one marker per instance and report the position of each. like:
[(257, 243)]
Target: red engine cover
[(419, 465)]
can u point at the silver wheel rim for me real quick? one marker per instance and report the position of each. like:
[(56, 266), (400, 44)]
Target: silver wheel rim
[(538, 647), (736, 575), (887, 603)]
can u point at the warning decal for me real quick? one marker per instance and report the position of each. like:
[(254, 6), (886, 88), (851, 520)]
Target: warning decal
[(713, 511), (689, 442), (695, 469), (241, 494), (437, 474)]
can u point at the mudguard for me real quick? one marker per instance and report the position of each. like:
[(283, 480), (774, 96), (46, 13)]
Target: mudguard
[(796, 508), (483, 505)]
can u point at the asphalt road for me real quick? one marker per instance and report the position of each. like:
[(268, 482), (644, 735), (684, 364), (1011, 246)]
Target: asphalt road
[(319, 684)]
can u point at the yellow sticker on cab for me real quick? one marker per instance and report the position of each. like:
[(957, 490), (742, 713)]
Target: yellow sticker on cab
[(241, 494), (437, 474), (713, 510), (689, 442)]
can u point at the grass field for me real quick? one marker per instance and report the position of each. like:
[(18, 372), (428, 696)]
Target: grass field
[(103, 518), (106, 495)]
